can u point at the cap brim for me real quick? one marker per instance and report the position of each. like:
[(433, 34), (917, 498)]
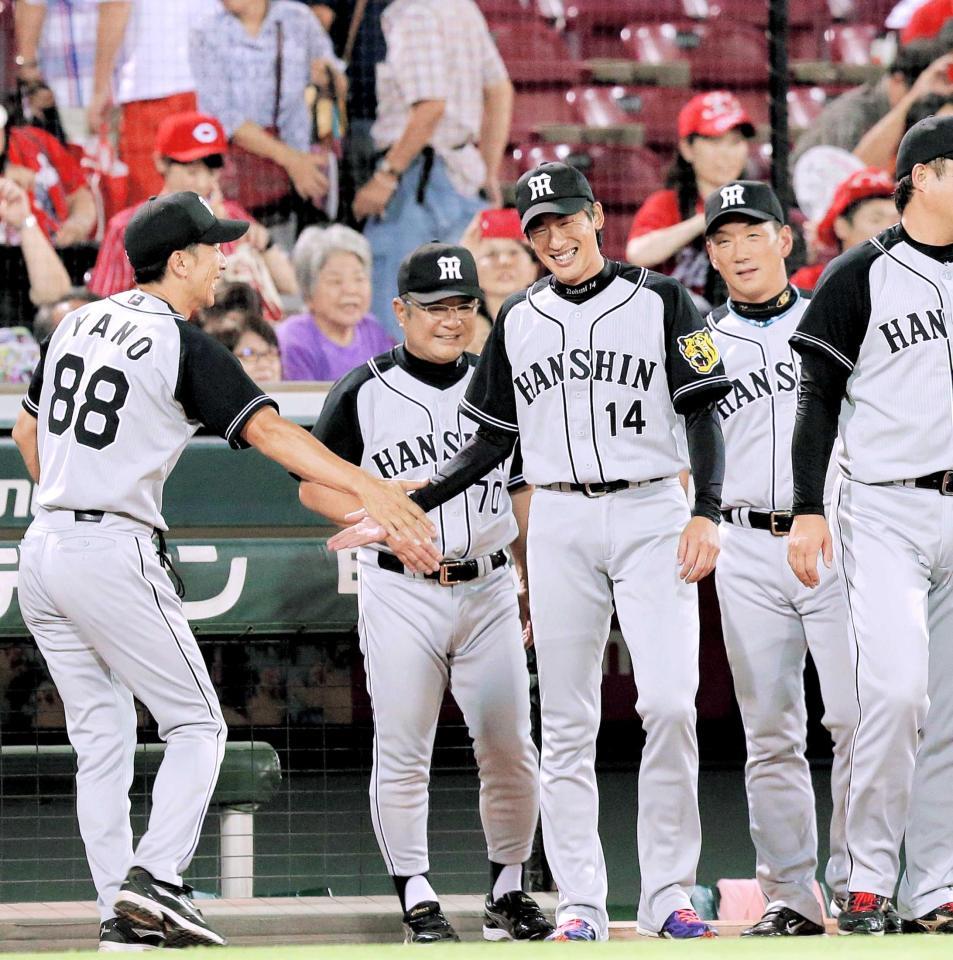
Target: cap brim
[(474, 293), (225, 231), (196, 153), (760, 216), (567, 206)]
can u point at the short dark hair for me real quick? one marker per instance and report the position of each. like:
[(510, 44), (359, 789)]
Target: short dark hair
[(590, 210), (927, 106), (903, 192), (214, 161), (154, 272), (229, 336), (913, 58)]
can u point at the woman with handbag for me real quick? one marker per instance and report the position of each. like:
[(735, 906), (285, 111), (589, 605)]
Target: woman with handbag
[(252, 63)]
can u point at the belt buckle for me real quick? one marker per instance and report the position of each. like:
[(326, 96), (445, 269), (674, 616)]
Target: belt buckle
[(447, 578), (946, 484), (773, 521), (593, 494)]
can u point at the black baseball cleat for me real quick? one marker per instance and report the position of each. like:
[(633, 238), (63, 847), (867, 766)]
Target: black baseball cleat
[(864, 913), (939, 920), (425, 923), (162, 907), (781, 921), (117, 935), (515, 916)]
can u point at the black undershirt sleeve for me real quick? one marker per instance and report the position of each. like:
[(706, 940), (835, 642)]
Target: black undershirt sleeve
[(706, 453), (477, 457), (823, 382), (213, 388)]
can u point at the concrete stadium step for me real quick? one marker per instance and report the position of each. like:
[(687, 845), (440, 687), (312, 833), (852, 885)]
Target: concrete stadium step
[(273, 920)]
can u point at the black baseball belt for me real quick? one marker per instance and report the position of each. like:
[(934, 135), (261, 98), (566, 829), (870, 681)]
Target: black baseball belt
[(941, 481), (594, 490), (776, 522), (88, 516), (451, 571)]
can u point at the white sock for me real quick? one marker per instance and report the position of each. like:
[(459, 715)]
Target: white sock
[(418, 890), (510, 878)]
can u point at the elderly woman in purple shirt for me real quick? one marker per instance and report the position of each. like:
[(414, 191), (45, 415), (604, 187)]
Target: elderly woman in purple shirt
[(337, 333)]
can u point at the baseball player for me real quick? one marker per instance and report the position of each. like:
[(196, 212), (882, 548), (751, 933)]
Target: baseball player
[(770, 620), (877, 373), (398, 415), (590, 367), (122, 385)]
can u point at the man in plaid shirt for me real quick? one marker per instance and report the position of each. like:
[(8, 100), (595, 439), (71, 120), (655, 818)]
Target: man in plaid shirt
[(444, 103)]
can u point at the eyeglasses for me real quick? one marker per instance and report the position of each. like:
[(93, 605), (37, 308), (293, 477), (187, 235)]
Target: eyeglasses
[(250, 353), (443, 311)]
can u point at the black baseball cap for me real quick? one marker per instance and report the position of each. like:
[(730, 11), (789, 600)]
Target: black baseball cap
[(551, 187), (172, 222), (742, 198), (435, 271), (927, 140)]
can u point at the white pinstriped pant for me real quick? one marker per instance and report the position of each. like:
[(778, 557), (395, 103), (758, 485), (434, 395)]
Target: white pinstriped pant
[(109, 625), (893, 548)]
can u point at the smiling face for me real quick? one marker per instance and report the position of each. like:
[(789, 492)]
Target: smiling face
[(201, 265), (341, 292), (750, 258), (433, 333), (567, 244), (259, 358)]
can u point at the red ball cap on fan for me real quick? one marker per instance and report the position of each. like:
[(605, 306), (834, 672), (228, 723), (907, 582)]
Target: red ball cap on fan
[(860, 185), (712, 115), (185, 137)]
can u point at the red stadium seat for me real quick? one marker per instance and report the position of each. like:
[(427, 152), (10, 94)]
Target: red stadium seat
[(535, 54), (719, 54), (655, 108), (593, 26), (801, 13), (620, 176), (850, 43), (804, 106), (534, 109)]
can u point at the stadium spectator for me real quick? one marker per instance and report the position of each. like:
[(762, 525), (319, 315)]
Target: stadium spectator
[(337, 333), (50, 315), (916, 71), (932, 105), (144, 45), (249, 59), (31, 272), (444, 103), (505, 264), (252, 340), (862, 208), (927, 21), (233, 301), (56, 46), (667, 232), (189, 151), (368, 50), (59, 196)]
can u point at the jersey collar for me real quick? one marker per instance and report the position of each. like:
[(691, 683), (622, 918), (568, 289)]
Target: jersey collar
[(765, 313), (589, 288), (942, 254), (439, 375), (148, 302)]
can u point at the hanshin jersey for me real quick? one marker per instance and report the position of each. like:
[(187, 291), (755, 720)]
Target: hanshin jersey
[(399, 416), (757, 414), (121, 387), (882, 311), (592, 377)]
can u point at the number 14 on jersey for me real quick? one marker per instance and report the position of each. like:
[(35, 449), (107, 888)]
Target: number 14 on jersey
[(631, 421)]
